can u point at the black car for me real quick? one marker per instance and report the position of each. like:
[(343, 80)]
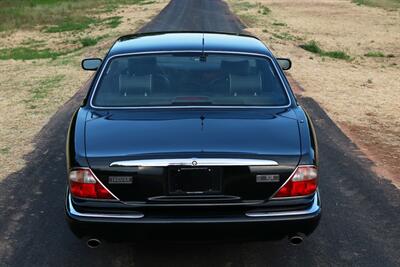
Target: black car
[(195, 133)]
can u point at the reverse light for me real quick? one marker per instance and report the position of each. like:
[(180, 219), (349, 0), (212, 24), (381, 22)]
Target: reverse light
[(83, 183), (302, 182)]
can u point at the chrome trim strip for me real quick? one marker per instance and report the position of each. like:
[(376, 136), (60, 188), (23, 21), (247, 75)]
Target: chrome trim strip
[(194, 162), (315, 207), (185, 107), (74, 212)]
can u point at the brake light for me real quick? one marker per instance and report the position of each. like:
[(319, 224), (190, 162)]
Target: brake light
[(302, 182), (83, 183)]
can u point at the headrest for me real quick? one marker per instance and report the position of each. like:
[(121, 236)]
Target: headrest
[(235, 67), (142, 65), (135, 85), (245, 85)]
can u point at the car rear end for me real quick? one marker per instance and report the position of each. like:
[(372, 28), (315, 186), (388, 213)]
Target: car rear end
[(194, 202)]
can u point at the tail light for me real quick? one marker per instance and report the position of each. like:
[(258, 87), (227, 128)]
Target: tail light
[(302, 182), (83, 183)]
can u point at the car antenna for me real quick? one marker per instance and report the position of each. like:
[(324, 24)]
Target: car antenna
[(203, 56)]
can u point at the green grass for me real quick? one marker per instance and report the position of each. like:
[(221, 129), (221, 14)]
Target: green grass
[(33, 43), (264, 10), (4, 150), (142, 3), (374, 54), (26, 53), (387, 4), (336, 54), (65, 15), (113, 22), (84, 23), (285, 36), (313, 47), (42, 90), (279, 24), (70, 25), (243, 5), (89, 41)]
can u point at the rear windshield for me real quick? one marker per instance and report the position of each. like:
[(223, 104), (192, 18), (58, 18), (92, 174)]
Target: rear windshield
[(189, 80)]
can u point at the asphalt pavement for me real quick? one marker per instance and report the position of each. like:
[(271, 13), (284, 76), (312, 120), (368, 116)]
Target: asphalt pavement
[(361, 211)]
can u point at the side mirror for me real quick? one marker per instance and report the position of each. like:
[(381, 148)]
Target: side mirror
[(91, 63), (285, 63)]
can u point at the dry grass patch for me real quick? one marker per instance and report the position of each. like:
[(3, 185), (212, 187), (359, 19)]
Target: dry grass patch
[(32, 90), (361, 94)]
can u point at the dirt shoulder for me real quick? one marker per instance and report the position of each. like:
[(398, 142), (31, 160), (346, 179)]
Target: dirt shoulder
[(360, 88), (33, 90)]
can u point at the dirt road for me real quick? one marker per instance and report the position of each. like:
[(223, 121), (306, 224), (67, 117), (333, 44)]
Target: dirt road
[(361, 212)]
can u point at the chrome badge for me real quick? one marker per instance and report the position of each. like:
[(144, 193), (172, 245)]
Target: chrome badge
[(120, 179), (267, 178)]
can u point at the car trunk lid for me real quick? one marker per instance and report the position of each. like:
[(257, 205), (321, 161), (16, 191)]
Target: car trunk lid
[(193, 136)]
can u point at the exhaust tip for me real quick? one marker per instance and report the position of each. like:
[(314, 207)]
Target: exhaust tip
[(93, 243), (296, 239)]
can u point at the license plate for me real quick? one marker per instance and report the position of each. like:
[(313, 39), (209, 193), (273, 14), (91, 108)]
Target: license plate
[(194, 180)]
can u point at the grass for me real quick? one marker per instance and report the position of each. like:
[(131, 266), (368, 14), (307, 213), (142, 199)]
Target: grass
[(243, 5), (387, 4), (44, 88), (264, 10), (89, 41), (30, 52), (374, 54), (27, 53), (84, 23), (4, 150), (279, 24), (241, 9), (113, 22), (142, 3), (285, 36), (313, 47), (66, 15), (70, 25), (33, 43), (336, 54)]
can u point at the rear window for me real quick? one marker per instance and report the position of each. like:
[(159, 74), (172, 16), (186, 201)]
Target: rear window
[(189, 80)]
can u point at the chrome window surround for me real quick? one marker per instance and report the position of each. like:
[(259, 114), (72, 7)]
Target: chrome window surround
[(185, 107), (194, 162)]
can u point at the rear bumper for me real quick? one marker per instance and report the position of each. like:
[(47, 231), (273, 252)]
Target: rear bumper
[(249, 225)]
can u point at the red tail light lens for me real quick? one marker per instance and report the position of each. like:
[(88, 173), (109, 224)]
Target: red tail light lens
[(83, 183), (302, 182)]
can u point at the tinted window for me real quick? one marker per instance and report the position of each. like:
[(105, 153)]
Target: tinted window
[(189, 79)]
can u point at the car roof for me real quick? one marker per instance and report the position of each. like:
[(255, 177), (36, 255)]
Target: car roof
[(188, 41)]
